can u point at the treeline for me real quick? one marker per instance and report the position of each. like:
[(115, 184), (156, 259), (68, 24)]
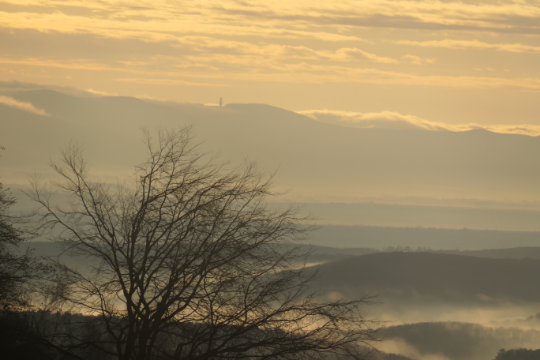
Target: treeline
[(325, 254), (38, 334), (518, 354)]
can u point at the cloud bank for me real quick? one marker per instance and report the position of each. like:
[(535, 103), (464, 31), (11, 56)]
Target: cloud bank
[(164, 44), (21, 105), (396, 121), (281, 19), (472, 44)]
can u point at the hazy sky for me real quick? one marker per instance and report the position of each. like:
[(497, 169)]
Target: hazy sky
[(456, 62)]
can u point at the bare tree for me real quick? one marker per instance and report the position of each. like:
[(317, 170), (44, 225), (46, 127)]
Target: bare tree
[(15, 269), (19, 274), (189, 263)]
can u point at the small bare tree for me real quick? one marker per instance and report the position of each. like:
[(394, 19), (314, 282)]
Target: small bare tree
[(18, 271), (189, 263)]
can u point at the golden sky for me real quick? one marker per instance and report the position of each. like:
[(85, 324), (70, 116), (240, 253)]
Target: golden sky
[(451, 62)]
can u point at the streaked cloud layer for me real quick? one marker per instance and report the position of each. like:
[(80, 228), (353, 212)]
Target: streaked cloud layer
[(190, 50), (397, 121), (473, 44), (21, 105)]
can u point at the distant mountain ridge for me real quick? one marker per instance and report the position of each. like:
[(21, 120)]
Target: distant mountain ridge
[(312, 159), (321, 254), (379, 237)]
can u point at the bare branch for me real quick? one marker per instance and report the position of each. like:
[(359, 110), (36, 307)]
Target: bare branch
[(190, 262)]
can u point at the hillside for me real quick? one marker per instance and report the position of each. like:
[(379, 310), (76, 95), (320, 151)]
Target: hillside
[(434, 277)]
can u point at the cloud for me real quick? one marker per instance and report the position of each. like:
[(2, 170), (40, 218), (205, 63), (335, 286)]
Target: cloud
[(100, 93), (207, 49), (396, 121), (472, 44), (165, 82), (417, 60), (354, 53), (21, 105), (505, 16), (385, 120), (315, 42), (161, 70), (316, 19), (159, 22)]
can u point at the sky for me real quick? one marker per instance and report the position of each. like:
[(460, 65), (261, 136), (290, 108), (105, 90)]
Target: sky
[(451, 63)]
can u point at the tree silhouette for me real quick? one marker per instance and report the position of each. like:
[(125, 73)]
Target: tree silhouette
[(189, 263), (16, 270), (19, 338)]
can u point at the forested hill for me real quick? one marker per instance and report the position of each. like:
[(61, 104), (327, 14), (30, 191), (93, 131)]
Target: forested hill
[(447, 277)]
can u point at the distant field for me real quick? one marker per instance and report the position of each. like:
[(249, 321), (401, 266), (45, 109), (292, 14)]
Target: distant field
[(436, 216), (434, 238)]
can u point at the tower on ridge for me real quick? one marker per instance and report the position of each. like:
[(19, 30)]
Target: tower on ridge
[(220, 102)]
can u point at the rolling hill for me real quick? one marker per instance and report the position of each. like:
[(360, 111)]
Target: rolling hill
[(434, 277)]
